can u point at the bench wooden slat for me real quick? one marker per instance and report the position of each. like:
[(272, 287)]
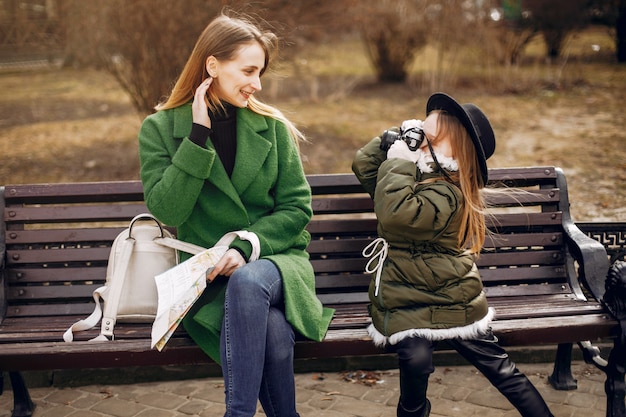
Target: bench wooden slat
[(518, 274), (337, 247), (334, 205), (515, 177), (334, 184), (74, 213), (343, 298), (25, 275), (80, 307), (524, 198), (514, 240), (331, 282), (520, 258), (510, 241), (340, 227), (60, 255), (76, 236), (354, 264), (518, 306), (530, 290), (523, 220), (61, 293), (74, 192), (553, 330)]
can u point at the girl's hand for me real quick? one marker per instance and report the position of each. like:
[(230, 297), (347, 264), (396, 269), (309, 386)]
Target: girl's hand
[(412, 123), (399, 149), (229, 263), (199, 108)]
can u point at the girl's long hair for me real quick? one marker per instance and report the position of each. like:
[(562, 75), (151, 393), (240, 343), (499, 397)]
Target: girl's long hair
[(222, 39), (469, 179)]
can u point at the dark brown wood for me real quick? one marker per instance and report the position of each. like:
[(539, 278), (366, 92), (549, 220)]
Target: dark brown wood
[(84, 192), (57, 239)]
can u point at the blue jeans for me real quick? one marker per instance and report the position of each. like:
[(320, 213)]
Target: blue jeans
[(257, 344)]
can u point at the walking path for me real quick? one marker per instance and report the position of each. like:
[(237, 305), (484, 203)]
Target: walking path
[(453, 390)]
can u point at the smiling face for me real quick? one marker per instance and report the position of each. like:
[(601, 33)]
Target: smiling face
[(237, 79)]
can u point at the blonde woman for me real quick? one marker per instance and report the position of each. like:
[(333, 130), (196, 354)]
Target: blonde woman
[(214, 159), (426, 181)]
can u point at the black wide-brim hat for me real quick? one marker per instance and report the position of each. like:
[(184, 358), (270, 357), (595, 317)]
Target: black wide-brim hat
[(474, 121)]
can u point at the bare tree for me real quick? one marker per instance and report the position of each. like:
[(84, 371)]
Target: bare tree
[(455, 25), (513, 30), (620, 30), (393, 31), (612, 13), (556, 19), (144, 43)]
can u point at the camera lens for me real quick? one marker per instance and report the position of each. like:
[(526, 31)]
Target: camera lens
[(413, 138), (387, 139)]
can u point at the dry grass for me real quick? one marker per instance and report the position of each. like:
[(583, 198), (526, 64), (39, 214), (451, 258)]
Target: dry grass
[(73, 125)]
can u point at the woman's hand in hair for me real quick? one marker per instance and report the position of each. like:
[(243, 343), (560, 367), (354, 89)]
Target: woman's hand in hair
[(199, 107)]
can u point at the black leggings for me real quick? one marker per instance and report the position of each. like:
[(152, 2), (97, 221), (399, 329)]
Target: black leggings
[(415, 359)]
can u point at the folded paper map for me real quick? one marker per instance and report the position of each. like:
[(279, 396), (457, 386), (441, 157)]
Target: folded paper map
[(178, 288)]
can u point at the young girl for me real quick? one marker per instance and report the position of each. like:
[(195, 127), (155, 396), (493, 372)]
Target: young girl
[(430, 223), (214, 159)]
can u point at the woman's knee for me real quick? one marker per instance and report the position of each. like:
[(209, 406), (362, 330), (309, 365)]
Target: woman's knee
[(258, 277)]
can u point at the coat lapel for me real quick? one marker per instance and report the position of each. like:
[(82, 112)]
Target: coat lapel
[(182, 128), (252, 150)]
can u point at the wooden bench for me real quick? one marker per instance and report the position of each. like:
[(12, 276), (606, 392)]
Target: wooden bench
[(543, 276)]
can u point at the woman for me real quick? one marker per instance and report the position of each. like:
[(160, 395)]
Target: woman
[(214, 159), (431, 224)]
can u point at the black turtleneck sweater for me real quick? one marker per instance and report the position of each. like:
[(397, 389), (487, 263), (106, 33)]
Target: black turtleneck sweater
[(223, 135)]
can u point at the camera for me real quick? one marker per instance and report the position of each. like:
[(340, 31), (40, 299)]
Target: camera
[(413, 137)]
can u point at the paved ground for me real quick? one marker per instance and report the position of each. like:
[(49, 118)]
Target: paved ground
[(454, 391)]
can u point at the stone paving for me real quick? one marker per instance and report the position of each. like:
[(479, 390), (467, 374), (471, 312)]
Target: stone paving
[(454, 391)]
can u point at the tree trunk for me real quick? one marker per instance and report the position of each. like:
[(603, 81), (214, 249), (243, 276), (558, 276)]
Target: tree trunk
[(620, 32)]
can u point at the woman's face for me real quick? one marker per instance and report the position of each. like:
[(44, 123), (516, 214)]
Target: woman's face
[(236, 80)]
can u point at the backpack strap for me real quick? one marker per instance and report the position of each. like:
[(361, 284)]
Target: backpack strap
[(90, 321), (112, 294), (179, 245), (115, 290), (225, 240)]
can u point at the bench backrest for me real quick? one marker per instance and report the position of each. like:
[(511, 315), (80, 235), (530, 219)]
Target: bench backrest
[(58, 237)]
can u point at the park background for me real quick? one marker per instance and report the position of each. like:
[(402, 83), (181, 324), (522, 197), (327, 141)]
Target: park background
[(77, 77)]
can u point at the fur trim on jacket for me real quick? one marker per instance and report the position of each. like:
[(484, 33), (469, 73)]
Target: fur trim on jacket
[(470, 331)]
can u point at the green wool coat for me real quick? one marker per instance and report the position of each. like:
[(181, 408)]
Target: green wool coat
[(430, 287), (186, 186)]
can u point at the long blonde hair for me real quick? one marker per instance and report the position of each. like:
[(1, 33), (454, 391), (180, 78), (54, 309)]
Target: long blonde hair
[(469, 179), (222, 39)]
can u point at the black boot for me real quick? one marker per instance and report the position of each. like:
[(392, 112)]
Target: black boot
[(490, 359), (423, 411)]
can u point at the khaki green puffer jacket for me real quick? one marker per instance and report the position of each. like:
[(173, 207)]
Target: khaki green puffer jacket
[(429, 287)]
